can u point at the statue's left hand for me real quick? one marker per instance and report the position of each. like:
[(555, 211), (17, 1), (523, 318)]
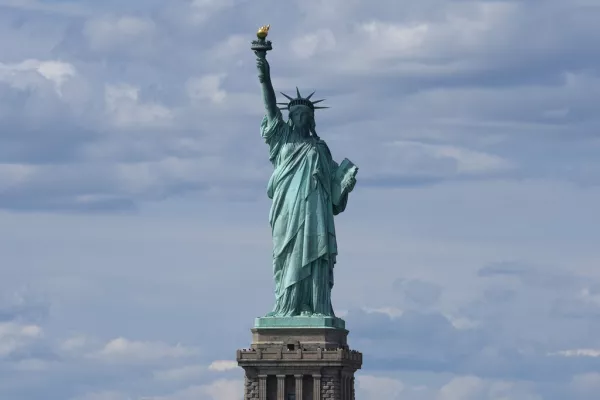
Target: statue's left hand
[(349, 184)]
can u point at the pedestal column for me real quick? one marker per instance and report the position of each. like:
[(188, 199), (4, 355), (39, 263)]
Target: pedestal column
[(317, 387), (280, 387), (262, 387), (299, 386)]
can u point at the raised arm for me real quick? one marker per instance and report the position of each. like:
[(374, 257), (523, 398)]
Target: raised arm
[(264, 76)]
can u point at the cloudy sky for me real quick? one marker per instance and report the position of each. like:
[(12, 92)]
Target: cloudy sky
[(134, 239)]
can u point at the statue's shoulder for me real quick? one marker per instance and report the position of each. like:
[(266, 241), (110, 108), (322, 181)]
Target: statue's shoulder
[(322, 144), (274, 127)]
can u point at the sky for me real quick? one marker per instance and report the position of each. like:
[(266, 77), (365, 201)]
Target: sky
[(135, 250)]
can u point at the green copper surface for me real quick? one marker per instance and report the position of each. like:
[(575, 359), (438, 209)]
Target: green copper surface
[(300, 322), (307, 188)]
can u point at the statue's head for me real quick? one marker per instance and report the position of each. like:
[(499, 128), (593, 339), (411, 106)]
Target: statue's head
[(302, 117), (302, 111)]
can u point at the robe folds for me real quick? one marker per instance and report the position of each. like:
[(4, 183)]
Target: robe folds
[(301, 218)]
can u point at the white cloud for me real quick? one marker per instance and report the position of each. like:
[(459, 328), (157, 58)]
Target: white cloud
[(461, 323), (202, 10), (450, 39), (103, 395), (234, 45), (474, 388), (463, 388), (211, 4), (313, 44), (155, 178), (207, 87), (590, 296), (66, 8), (577, 353), (222, 365), (127, 351), (374, 387), (465, 161), (12, 175), (324, 12), (15, 336), (195, 14), (56, 71), (391, 312), (126, 110), (418, 160), (76, 344), (19, 75), (108, 33), (222, 389), (390, 40)]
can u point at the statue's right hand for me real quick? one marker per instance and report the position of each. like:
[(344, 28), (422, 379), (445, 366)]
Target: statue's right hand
[(263, 67)]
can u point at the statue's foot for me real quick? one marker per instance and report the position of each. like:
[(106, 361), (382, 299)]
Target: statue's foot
[(332, 315), (305, 310), (271, 314)]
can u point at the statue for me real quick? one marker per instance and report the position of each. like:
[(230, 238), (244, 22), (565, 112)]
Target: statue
[(307, 188)]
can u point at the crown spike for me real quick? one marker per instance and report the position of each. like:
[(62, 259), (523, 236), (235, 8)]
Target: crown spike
[(288, 97), (300, 101)]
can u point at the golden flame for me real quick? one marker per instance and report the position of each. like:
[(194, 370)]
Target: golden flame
[(263, 31)]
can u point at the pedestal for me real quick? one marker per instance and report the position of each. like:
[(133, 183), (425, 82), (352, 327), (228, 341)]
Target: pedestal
[(300, 322), (309, 360)]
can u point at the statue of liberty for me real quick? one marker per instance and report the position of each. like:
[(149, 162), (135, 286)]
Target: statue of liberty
[(307, 188)]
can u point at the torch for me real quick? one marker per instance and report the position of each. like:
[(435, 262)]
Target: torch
[(261, 46)]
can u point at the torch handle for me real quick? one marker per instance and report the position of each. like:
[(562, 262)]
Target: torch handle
[(261, 54)]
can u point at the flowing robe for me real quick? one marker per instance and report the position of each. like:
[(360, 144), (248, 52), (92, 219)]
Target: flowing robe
[(301, 218)]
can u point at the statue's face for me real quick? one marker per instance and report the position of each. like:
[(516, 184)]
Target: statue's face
[(302, 116)]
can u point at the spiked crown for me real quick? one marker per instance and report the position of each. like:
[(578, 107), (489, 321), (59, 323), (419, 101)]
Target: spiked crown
[(300, 101)]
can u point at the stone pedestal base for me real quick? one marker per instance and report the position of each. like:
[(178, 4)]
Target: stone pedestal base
[(299, 363)]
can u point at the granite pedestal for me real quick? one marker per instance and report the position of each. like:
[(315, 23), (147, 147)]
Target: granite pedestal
[(299, 358)]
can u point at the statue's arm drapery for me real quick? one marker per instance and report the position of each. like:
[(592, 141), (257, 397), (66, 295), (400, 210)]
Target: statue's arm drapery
[(339, 208), (273, 131), (268, 92)]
